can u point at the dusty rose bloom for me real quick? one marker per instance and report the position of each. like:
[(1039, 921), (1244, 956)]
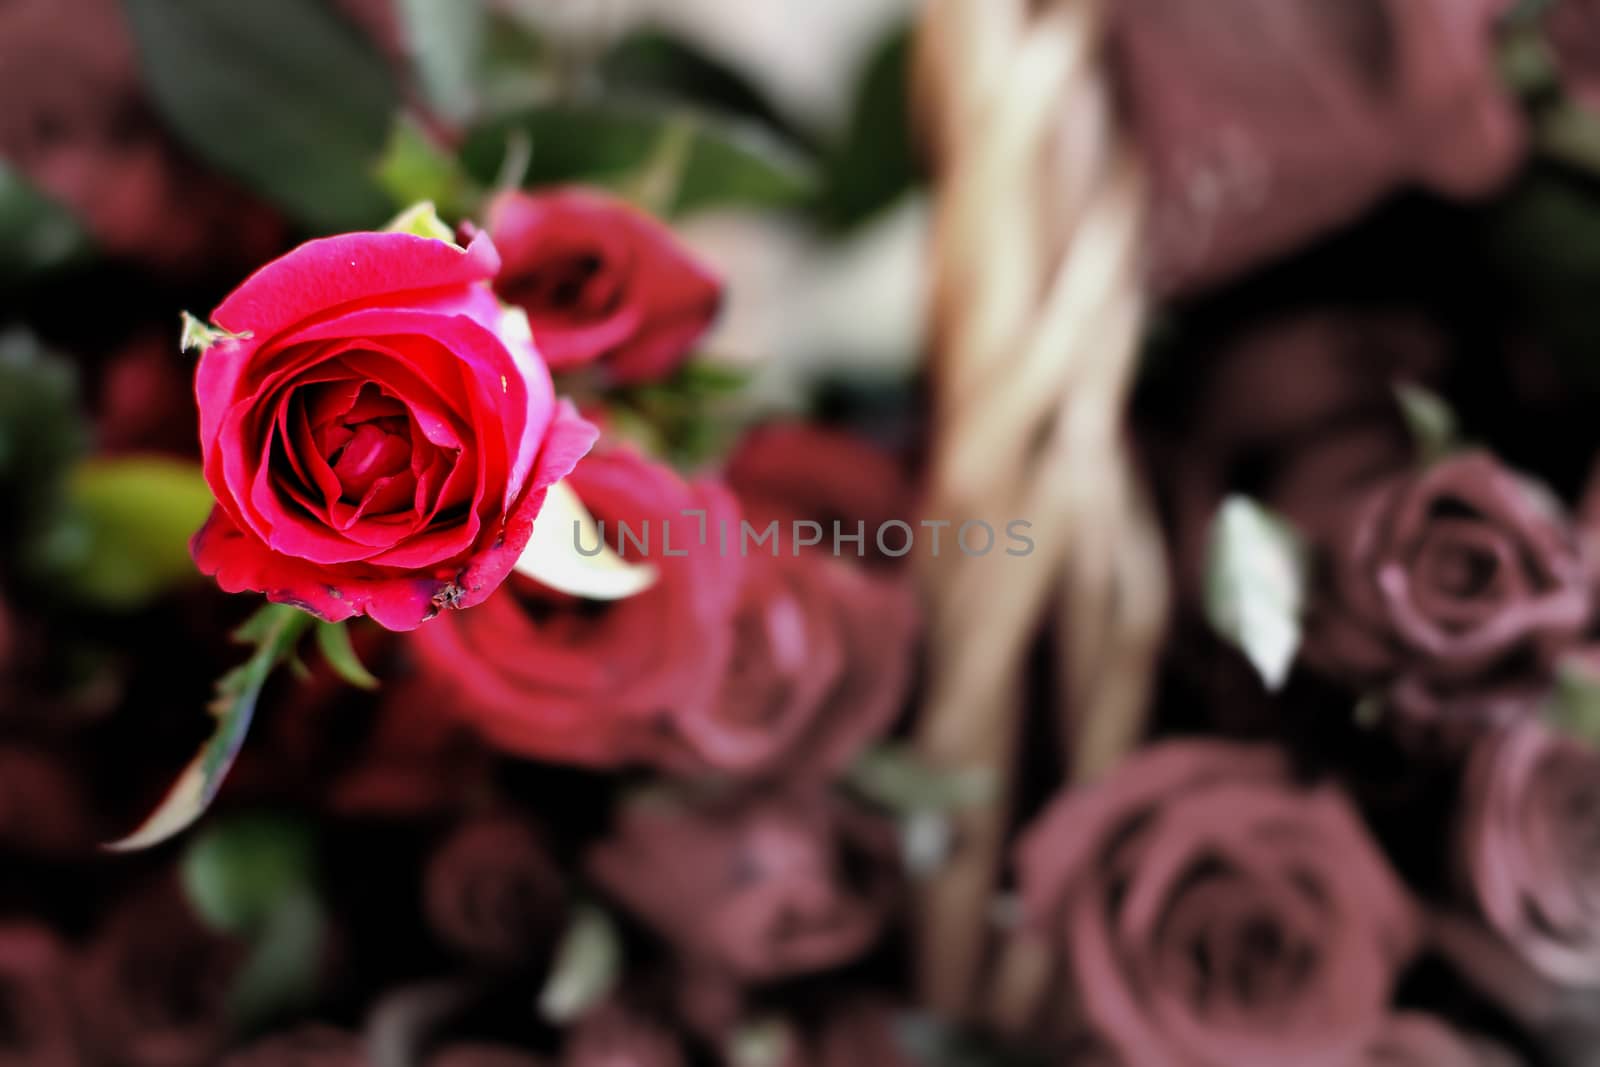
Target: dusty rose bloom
[(1413, 1040), (616, 1035), (493, 892), (37, 1028), (1211, 913), (761, 888), (1453, 588), (1529, 826), (1270, 122)]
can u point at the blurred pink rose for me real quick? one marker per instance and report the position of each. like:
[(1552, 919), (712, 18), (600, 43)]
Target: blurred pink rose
[(1530, 817), (1454, 588), (822, 659), (1269, 122), (616, 1035), (552, 677), (37, 1028), (759, 889), (1211, 913), (493, 892), (152, 988), (1413, 1040), (308, 1046)]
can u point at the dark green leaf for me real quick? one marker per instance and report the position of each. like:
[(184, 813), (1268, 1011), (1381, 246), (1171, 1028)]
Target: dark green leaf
[(608, 144), (274, 630), (876, 162), (239, 870), (286, 96), (1574, 707), (37, 235), (135, 518), (334, 640), (1256, 575), (41, 436), (279, 977), (414, 169)]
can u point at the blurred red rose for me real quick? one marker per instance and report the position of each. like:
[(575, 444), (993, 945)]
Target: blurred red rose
[(1269, 122), (37, 1028), (1530, 814), (616, 1035), (1212, 914), (551, 677), (308, 1046), (493, 892), (76, 124), (789, 471), (145, 402), (1414, 1040), (601, 282), (375, 446), (44, 803), (822, 659), (152, 988), (759, 889), (1453, 588)]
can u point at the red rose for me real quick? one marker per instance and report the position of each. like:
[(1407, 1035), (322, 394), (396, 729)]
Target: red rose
[(1212, 914), (791, 470), (759, 890), (493, 893), (374, 445), (1530, 816), (601, 281), (551, 677), (822, 659), (1269, 122), (153, 986), (37, 1028)]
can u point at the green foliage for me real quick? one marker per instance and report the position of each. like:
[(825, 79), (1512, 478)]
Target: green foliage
[(134, 518), (587, 967), (333, 638), (876, 162), (610, 143), (1256, 578), (41, 437), (413, 169), (452, 34), (37, 235), (286, 96)]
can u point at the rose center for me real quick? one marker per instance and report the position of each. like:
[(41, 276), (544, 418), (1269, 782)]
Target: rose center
[(370, 441), (1463, 571)]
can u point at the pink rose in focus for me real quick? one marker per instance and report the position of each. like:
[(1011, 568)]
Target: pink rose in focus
[(602, 282), (552, 677), (1454, 589), (1212, 913), (759, 889), (1530, 817), (1269, 122)]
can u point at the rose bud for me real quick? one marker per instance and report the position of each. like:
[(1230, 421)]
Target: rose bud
[(788, 471), (308, 1046), (1269, 122), (615, 1035), (1413, 1040), (759, 889), (375, 446), (37, 1028), (1530, 814), (1456, 587), (552, 677), (152, 988), (822, 658), (492, 892), (601, 282), (1210, 913)]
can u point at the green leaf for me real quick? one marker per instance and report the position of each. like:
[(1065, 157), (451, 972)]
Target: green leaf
[(237, 871), (452, 35), (1256, 577), (876, 162), (135, 517), (894, 777), (414, 169), (37, 235), (422, 220), (42, 434), (587, 968), (1432, 424), (286, 96), (279, 977), (609, 144), (274, 631), (1574, 706), (199, 335), (333, 638)]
